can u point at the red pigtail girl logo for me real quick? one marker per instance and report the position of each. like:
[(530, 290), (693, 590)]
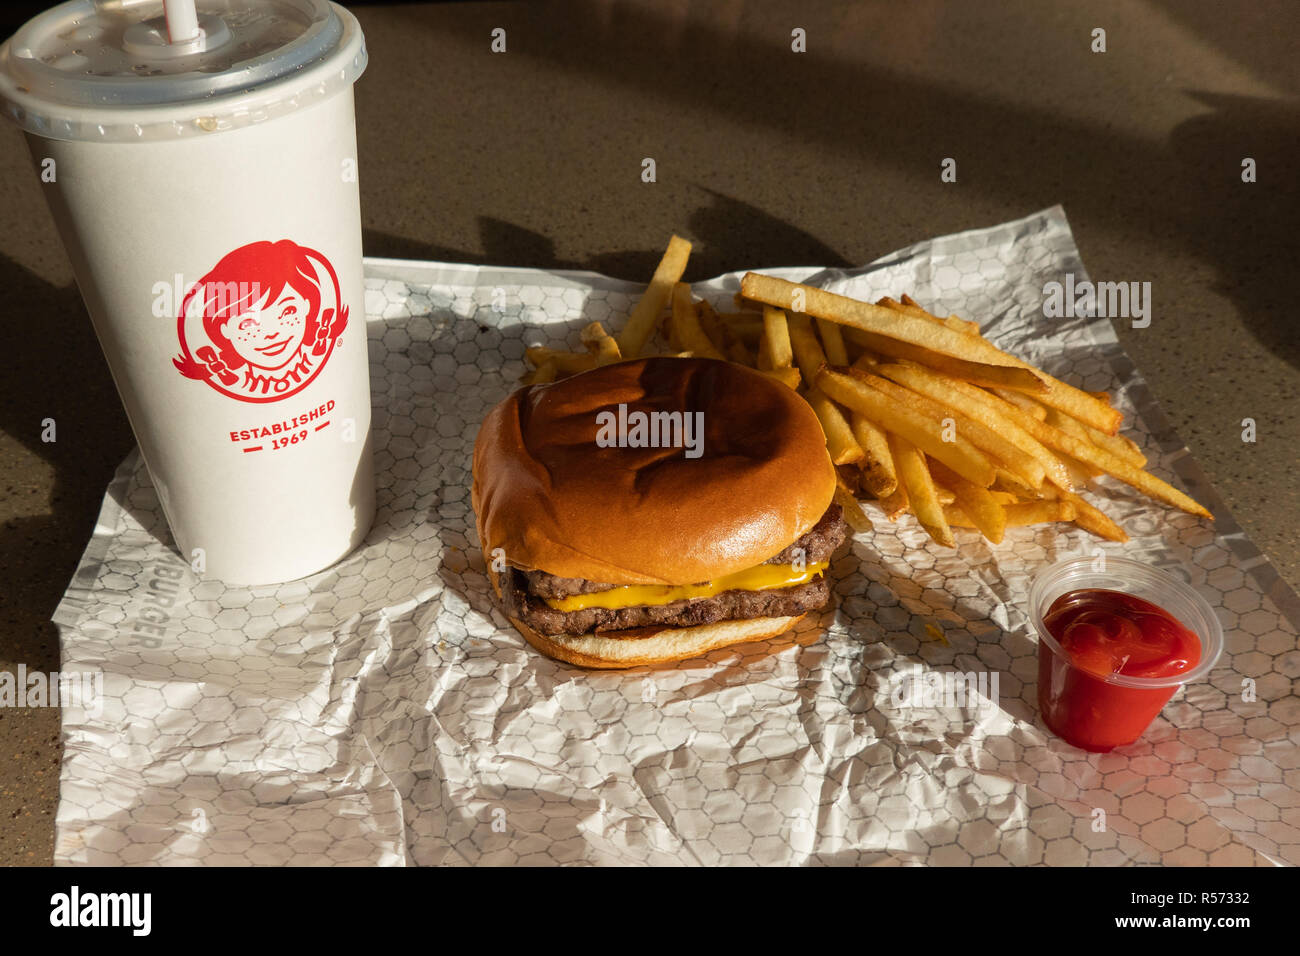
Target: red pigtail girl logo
[(263, 323)]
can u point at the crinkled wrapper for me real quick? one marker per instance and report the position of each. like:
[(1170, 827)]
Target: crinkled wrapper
[(384, 712)]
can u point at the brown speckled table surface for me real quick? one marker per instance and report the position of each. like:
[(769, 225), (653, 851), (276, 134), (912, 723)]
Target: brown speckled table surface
[(764, 157)]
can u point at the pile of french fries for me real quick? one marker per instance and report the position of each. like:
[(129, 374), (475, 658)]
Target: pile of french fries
[(921, 412)]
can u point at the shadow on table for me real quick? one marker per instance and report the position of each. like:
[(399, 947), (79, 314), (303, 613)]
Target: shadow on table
[(56, 372), (1267, 51), (1247, 231), (1185, 193), (726, 230)]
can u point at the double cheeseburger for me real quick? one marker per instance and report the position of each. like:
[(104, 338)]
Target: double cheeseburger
[(654, 510)]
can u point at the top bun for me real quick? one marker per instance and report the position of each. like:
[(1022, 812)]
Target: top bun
[(554, 500)]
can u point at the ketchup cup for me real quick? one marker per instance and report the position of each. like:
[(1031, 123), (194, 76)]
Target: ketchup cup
[(1100, 713)]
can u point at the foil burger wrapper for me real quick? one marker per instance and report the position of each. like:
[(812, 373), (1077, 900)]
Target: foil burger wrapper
[(383, 712)]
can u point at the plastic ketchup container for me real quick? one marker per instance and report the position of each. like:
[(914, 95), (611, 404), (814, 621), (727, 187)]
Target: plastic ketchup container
[(1115, 640)]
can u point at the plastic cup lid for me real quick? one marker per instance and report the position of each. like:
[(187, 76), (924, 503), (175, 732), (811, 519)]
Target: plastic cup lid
[(103, 69)]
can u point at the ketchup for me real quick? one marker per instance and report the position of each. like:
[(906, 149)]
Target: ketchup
[(1102, 634), (1109, 632)]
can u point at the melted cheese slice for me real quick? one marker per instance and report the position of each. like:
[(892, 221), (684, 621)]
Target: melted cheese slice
[(762, 578)]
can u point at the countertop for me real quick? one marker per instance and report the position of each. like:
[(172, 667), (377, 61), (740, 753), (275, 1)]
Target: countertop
[(764, 156)]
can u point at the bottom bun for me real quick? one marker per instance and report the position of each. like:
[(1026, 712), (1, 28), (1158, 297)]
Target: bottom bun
[(653, 645)]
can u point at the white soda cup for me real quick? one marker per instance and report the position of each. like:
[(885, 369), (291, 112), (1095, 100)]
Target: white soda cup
[(206, 192)]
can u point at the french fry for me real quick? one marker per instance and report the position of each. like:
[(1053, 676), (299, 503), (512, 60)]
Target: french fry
[(788, 377), (895, 504), (711, 325), (832, 343), (935, 337), (668, 329), (1008, 484), (542, 374), (1112, 465), (910, 305), (764, 361), (739, 352), (843, 447), (915, 477), (978, 503), (867, 361), (687, 324), (1072, 426), (852, 350), (1118, 445), (904, 419), (1080, 474), (568, 363), (635, 334), (1121, 446), (776, 338), (1023, 402), (978, 406), (1060, 395), (849, 478), (877, 464), (1018, 515), (807, 350), (746, 326), (600, 343), (1038, 512), (952, 321), (978, 373), (957, 517), (1092, 519), (883, 322), (722, 337), (1078, 404), (956, 424), (971, 327), (854, 516)]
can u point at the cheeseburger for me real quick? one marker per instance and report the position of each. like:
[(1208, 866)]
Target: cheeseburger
[(654, 510)]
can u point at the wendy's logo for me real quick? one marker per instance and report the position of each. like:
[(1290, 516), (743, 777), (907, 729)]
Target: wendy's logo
[(262, 323)]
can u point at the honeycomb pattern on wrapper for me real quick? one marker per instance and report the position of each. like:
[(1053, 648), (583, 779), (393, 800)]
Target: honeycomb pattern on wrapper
[(384, 712)]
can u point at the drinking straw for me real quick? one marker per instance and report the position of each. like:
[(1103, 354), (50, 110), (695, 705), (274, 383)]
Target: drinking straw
[(182, 20)]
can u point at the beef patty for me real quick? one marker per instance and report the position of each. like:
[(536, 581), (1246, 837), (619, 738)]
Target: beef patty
[(523, 594), (818, 545)]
